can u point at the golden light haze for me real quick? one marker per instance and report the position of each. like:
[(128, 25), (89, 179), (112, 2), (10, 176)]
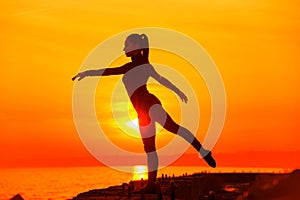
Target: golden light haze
[(255, 45)]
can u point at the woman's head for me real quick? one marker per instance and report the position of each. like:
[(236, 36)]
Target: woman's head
[(135, 44)]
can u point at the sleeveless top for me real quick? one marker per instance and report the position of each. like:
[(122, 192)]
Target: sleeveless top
[(135, 82)]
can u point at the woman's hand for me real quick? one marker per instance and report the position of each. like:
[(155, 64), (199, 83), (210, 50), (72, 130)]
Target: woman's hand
[(80, 76), (182, 96)]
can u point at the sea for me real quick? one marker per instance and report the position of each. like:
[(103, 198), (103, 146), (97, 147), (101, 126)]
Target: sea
[(67, 182)]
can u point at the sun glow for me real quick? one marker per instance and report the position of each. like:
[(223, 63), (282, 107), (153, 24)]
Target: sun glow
[(134, 124), (140, 172)]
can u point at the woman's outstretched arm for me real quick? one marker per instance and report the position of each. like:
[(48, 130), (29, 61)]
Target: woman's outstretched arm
[(162, 80), (101, 72)]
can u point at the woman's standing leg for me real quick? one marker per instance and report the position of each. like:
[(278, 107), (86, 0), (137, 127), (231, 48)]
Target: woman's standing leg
[(148, 132)]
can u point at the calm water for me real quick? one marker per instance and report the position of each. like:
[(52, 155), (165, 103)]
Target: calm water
[(65, 183)]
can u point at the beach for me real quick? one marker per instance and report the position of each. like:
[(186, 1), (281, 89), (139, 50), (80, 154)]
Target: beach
[(61, 183), (200, 186), (86, 183)]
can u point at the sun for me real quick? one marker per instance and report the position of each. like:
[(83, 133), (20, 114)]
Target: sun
[(140, 172)]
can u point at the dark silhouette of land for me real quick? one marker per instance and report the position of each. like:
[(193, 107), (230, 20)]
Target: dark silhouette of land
[(201, 186)]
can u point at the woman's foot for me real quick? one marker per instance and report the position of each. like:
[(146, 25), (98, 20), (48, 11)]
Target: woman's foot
[(148, 189), (206, 155)]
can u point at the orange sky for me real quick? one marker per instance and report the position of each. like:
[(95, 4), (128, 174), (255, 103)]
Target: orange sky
[(255, 45)]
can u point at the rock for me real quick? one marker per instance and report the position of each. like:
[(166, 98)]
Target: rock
[(17, 197)]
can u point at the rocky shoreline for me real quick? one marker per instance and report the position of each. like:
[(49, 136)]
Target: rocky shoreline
[(203, 186)]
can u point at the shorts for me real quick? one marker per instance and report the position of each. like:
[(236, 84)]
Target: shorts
[(142, 106)]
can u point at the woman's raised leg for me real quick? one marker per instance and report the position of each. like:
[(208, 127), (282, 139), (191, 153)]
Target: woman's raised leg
[(158, 113)]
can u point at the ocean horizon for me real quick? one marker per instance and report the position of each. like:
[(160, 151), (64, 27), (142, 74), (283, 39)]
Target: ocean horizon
[(61, 183)]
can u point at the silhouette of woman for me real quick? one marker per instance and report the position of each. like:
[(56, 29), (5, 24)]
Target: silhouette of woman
[(148, 107)]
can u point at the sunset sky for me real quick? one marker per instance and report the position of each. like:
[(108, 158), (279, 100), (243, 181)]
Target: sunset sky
[(255, 45)]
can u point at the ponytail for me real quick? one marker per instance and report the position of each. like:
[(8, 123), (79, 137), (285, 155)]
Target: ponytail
[(145, 45)]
